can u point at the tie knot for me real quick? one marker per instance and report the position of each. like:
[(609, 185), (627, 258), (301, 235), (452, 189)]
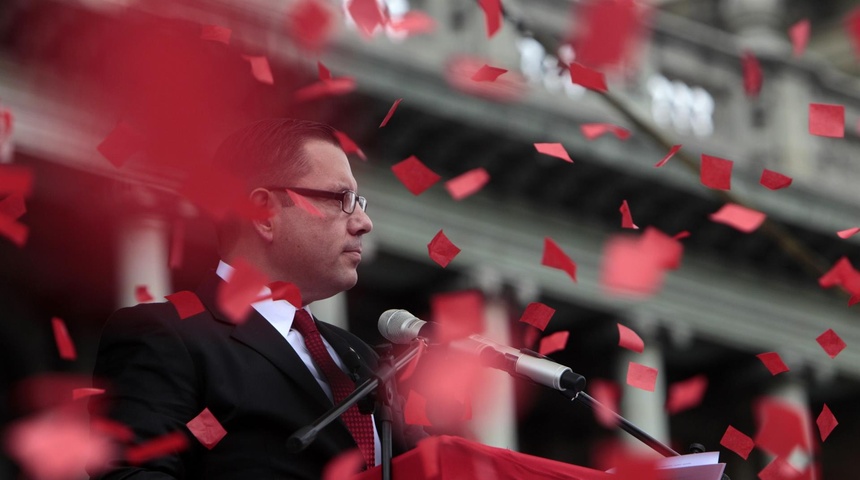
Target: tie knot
[(304, 323)]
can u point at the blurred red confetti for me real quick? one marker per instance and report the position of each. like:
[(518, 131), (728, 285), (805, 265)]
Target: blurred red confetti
[(304, 204), (13, 206), (848, 233), (441, 390), (799, 34), (344, 466), (716, 172), (538, 315), (831, 342), (414, 22), (64, 341), (57, 446), (626, 216), (120, 144), (672, 152), (628, 339), (116, 430), (553, 149), (260, 68), (588, 78), (16, 179), (492, 14), (852, 27), (414, 175), (554, 257), (323, 71), (79, 393), (177, 244), (488, 74), (595, 130), (686, 394), (390, 112), (609, 33), (773, 362), (410, 368), (15, 231), (286, 291), (441, 250), (607, 393), (827, 120), (206, 428), (186, 303), (774, 180), (219, 194), (142, 295), (415, 410), (739, 217), (325, 88), (309, 24), (215, 33), (842, 274), (854, 300), (826, 422), (641, 376), (778, 469), (752, 74), (681, 235), (167, 444), (555, 342), (348, 145), (508, 88), (366, 15), (459, 314), (738, 442), (468, 183), (637, 266), (783, 427), (234, 296)]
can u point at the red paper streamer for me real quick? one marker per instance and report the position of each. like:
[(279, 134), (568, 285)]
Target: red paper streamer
[(390, 112), (672, 152)]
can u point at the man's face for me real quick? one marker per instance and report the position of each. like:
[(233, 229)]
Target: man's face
[(320, 254)]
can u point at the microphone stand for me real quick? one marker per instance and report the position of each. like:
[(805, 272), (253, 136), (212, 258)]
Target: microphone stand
[(381, 382)]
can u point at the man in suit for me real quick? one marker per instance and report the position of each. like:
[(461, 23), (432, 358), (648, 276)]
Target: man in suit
[(271, 374)]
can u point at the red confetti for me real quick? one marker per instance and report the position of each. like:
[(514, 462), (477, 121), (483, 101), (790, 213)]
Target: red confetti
[(799, 34), (774, 180), (120, 144), (554, 150), (64, 341), (628, 339), (459, 314), (783, 427), (852, 26), (831, 343), (716, 172), (15, 231), (538, 315), (441, 250), (170, 443), (309, 24), (15, 179), (588, 78), (492, 14), (304, 204), (206, 428), (778, 469), (348, 145), (842, 274), (613, 30), (773, 362), (595, 130), (142, 295), (260, 68), (177, 242), (752, 74), (554, 257), (13, 206), (216, 33), (327, 88), (848, 233), (111, 429), (344, 466), (686, 394), (414, 175), (234, 296), (186, 303), (672, 152), (366, 15), (826, 422), (736, 441), (390, 112), (79, 393), (637, 266), (221, 195), (681, 235), (468, 183), (608, 393), (286, 291), (827, 120), (508, 88), (553, 343), (641, 376), (415, 410), (323, 71), (414, 22), (488, 74), (854, 300), (626, 216), (739, 217)]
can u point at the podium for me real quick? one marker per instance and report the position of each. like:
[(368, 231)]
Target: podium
[(455, 458)]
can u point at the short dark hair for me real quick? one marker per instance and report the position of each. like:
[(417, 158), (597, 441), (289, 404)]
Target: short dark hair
[(270, 151)]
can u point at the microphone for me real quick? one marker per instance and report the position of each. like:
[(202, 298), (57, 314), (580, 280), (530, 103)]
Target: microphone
[(400, 326)]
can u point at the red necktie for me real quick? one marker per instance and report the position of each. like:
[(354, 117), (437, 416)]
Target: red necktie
[(359, 426)]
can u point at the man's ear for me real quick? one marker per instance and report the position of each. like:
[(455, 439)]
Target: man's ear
[(263, 201)]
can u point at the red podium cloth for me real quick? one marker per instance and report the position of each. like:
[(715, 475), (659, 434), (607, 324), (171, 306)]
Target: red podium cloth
[(455, 458)]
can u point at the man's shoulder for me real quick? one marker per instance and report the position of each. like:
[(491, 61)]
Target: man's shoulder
[(167, 315)]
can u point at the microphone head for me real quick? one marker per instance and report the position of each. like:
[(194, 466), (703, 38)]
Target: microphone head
[(399, 326)]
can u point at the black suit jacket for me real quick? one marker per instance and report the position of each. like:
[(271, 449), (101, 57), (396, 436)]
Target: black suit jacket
[(160, 371)]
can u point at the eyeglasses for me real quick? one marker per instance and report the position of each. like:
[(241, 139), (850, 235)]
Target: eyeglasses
[(348, 198)]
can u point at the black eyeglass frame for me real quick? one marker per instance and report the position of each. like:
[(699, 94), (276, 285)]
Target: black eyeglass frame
[(343, 196)]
